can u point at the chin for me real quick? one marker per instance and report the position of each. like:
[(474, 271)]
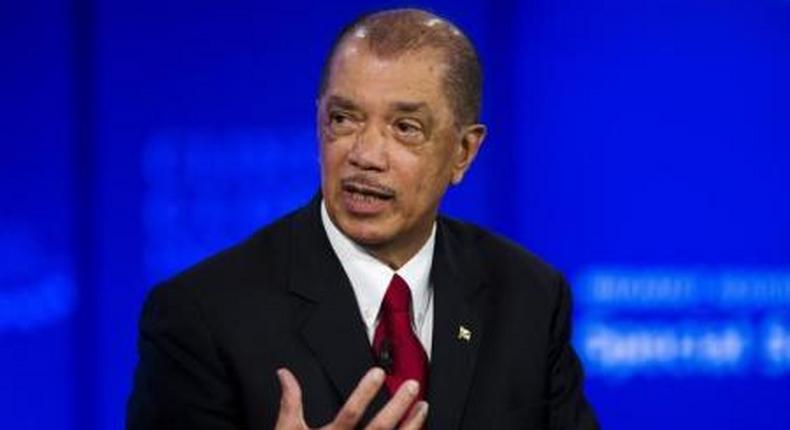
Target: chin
[(362, 234)]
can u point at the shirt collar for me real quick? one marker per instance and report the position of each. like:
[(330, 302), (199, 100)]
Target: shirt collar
[(370, 277)]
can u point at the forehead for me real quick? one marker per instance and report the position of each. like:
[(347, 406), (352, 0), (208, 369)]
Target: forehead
[(361, 75)]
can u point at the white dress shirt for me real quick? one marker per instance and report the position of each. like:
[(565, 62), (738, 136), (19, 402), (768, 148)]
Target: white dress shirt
[(370, 278)]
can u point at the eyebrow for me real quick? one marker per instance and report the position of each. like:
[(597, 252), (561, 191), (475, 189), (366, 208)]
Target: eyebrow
[(405, 107), (422, 108), (341, 102), (411, 107)]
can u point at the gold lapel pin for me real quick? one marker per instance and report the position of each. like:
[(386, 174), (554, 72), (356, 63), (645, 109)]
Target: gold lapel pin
[(464, 334)]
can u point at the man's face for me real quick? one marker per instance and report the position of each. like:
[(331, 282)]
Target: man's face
[(389, 147)]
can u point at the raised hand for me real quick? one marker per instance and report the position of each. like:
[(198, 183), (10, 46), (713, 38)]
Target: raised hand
[(391, 416)]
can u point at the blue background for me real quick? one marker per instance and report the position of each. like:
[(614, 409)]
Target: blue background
[(639, 146)]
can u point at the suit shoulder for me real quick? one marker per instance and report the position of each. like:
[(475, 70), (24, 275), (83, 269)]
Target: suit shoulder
[(244, 264), (499, 256)]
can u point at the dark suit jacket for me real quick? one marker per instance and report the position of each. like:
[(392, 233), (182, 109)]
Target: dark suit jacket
[(212, 337)]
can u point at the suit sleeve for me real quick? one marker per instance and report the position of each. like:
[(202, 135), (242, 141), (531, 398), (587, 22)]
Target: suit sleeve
[(180, 382), (569, 409)]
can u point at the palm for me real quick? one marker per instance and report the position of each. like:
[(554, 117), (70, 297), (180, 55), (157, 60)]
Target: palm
[(291, 415)]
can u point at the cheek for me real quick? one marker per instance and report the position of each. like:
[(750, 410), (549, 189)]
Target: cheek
[(332, 155), (427, 180)]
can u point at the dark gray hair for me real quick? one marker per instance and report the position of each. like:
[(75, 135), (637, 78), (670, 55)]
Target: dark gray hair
[(391, 33)]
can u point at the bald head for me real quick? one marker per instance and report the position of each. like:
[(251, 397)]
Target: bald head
[(393, 33)]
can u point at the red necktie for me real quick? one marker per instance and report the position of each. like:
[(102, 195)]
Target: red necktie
[(395, 342)]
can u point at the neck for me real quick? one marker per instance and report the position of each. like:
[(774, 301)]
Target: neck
[(394, 259), (396, 254)]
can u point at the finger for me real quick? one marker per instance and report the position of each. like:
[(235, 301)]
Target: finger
[(417, 417), (358, 401), (393, 412), (291, 413)]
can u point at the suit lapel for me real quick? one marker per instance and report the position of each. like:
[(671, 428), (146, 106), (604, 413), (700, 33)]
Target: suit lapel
[(458, 329), (331, 327)]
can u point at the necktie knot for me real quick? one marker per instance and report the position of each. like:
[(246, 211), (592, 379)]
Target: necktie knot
[(397, 299)]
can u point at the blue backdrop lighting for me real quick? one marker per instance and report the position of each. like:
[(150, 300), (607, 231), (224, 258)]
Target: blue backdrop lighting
[(640, 147)]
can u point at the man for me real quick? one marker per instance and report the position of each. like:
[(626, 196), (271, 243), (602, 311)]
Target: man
[(365, 308)]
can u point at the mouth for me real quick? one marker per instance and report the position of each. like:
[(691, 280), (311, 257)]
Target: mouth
[(368, 192), (366, 199)]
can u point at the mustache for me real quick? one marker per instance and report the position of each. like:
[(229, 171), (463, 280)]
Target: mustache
[(364, 183)]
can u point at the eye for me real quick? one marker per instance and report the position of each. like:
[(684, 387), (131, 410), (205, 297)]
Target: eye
[(341, 122), (338, 118), (409, 129)]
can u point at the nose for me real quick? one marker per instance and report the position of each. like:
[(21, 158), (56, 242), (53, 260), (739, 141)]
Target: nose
[(369, 151)]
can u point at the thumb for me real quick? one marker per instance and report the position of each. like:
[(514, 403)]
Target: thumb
[(291, 412)]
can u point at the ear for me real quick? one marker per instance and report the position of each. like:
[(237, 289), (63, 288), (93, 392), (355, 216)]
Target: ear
[(471, 138)]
